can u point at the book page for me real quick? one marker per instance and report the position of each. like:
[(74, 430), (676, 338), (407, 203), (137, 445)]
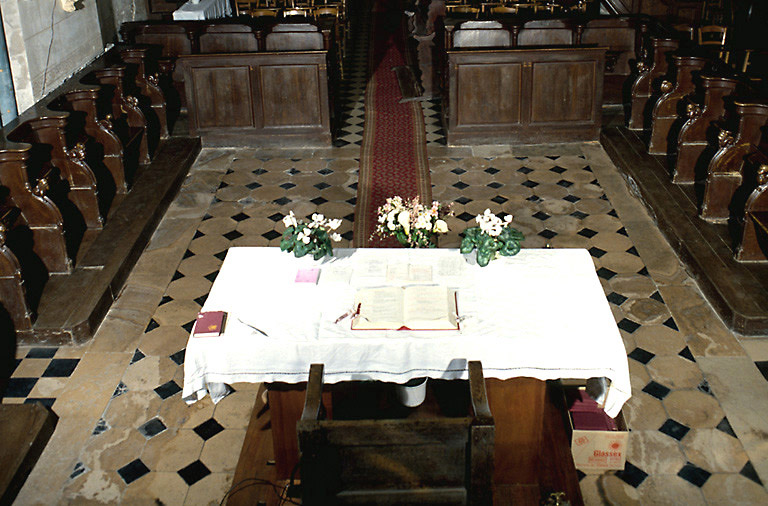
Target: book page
[(380, 308), (429, 308)]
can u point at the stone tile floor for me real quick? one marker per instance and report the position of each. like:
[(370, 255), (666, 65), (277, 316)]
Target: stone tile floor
[(698, 411)]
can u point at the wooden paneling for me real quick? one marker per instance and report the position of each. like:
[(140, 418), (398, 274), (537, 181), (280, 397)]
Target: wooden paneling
[(474, 108), (207, 86), (282, 109), (269, 98), (555, 84), (518, 96)]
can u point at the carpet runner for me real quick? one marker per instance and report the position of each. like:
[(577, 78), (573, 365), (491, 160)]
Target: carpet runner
[(393, 154)]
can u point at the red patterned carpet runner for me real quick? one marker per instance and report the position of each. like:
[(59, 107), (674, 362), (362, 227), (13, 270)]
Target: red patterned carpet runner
[(393, 158)]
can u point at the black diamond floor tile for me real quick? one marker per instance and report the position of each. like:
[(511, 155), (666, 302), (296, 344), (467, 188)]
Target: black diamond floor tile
[(101, 427), (137, 355), (725, 426), (152, 428), (641, 355), (628, 325), (748, 471), (686, 354), (632, 475), (762, 366), (587, 232), (596, 252), (656, 390), (152, 325), (674, 429), (133, 471), (616, 298), (120, 390), (178, 357), (208, 429), (61, 368), (694, 474), (271, 235), (167, 389), (194, 472)]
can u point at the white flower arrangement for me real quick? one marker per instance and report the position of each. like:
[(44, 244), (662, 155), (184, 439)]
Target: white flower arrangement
[(493, 237), (314, 237), (412, 223)]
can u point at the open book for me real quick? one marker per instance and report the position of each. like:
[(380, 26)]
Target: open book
[(406, 308)]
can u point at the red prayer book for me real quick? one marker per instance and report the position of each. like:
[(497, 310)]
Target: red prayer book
[(209, 324)]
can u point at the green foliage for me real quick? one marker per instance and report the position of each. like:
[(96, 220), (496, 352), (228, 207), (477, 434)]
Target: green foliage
[(318, 246), (507, 243)]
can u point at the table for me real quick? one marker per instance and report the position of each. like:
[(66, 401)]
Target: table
[(205, 9), (541, 314)]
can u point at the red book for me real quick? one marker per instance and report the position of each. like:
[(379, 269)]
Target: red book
[(209, 324)]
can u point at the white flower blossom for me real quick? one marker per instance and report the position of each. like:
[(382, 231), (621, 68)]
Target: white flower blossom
[(334, 224), (290, 220), (336, 237), (404, 219), (441, 227)]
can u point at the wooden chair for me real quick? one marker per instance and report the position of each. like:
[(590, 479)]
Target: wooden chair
[(463, 10), (714, 35), (685, 30), (438, 460), (264, 13), (243, 8)]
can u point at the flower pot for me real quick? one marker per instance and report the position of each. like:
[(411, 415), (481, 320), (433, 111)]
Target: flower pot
[(413, 392)]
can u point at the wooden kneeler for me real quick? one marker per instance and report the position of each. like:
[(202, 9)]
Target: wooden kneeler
[(440, 460)]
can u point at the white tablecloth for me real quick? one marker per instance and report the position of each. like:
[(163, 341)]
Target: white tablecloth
[(205, 9), (540, 314)]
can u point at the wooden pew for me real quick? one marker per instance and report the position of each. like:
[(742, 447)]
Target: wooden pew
[(724, 174), (56, 161), (754, 238), (699, 129), (228, 38), (38, 212), (137, 61), (667, 111), (647, 85), (13, 296), (127, 119), (84, 102), (71, 184)]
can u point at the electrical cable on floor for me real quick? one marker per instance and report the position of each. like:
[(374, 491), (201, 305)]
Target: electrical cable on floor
[(281, 493)]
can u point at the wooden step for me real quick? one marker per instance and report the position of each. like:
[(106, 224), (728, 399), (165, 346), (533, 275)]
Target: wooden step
[(25, 429)]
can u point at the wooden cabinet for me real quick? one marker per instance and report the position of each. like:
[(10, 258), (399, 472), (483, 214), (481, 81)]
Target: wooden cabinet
[(522, 96), (251, 98)]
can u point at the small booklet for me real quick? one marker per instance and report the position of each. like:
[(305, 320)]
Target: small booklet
[(209, 324), (406, 308)]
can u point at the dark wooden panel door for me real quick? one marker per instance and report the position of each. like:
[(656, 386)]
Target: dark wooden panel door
[(280, 107), (499, 98), (222, 96), (559, 92)]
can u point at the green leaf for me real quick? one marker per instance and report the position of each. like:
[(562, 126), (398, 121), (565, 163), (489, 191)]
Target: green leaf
[(510, 248), (300, 249), (472, 233), (467, 245), (484, 256), (401, 237), (288, 232), (287, 244)]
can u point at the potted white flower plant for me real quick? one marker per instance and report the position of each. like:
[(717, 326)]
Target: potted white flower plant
[(493, 237), (309, 238)]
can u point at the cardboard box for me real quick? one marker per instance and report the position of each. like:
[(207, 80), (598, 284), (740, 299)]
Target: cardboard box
[(596, 451)]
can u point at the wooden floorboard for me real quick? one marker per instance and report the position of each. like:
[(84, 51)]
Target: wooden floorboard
[(738, 291)]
